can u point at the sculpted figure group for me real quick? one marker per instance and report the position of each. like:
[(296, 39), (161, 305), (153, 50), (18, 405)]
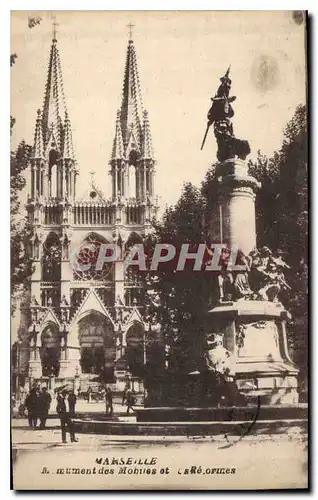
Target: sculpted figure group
[(262, 276)]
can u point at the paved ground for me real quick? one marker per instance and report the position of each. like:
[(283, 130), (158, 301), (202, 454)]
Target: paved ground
[(41, 461)]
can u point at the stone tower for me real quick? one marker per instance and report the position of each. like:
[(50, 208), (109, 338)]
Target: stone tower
[(79, 324)]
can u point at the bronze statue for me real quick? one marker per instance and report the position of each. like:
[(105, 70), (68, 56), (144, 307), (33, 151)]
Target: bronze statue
[(220, 115)]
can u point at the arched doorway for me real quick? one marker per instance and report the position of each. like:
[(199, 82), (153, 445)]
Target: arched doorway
[(135, 350), (97, 344), (50, 350)]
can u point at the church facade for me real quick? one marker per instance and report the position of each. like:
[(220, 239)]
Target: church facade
[(83, 324)]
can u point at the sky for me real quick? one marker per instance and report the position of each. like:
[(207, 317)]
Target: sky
[(181, 56)]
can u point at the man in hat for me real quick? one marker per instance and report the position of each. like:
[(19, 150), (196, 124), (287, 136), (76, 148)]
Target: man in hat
[(71, 403), (33, 406), (130, 401), (45, 403), (66, 421), (109, 401)]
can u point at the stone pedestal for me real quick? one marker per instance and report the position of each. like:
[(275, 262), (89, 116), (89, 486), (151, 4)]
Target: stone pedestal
[(70, 366), (35, 365), (35, 368), (254, 332), (233, 219)]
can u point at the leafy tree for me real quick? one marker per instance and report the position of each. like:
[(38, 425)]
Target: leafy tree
[(20, 229), (282, 202), (282, 221), (184, 295)]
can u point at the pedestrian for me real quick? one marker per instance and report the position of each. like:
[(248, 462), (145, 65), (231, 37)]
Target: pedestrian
[(125, 393), (109, 401), (89, 394), (130, 400), (66, 421), (71, 403), (32, 405), (44, 406)]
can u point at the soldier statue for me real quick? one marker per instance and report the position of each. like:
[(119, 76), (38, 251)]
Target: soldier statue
[(220, 115)]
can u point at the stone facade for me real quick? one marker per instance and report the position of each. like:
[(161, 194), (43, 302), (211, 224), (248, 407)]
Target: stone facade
[(84, 322)]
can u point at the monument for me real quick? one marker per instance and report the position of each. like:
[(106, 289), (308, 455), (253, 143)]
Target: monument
[(249, 317)]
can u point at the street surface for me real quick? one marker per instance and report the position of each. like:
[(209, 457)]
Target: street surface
[(42, 461)]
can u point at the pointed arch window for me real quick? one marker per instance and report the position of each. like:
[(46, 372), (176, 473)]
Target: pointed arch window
[(132, 184), (53, 173), (133, 157), (51, 261), (50, 351)]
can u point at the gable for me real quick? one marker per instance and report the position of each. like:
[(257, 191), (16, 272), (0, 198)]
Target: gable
[(92, 302)]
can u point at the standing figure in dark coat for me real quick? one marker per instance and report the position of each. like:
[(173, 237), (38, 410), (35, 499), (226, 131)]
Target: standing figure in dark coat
[(44, 404), (66, 421), (89, 394), (130, 401), (71, 403), (125, 393), (109, 401), (32, 405)]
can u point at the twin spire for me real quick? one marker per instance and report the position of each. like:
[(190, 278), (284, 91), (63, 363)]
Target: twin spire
[(132, 124), (132, 142), (53, 128)]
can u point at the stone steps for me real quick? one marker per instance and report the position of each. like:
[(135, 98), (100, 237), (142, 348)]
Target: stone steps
[(233, 428), (223, 414)]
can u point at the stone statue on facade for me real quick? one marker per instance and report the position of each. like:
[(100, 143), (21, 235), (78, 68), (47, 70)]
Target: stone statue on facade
[(220, 115)]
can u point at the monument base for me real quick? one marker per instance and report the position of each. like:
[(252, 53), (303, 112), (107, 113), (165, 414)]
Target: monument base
[(254, 331)]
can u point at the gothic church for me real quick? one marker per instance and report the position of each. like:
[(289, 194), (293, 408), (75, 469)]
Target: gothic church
[(80, 325)]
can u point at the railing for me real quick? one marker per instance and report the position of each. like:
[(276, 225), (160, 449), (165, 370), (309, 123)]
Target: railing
[(97, 214), (52, 214), (134, 214)]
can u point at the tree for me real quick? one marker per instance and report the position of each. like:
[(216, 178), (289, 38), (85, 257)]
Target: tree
[(282, 202), (184, 295), (282, 221), (20, 229)]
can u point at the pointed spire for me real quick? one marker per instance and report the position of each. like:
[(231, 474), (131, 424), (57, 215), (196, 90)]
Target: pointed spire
[(132, 142), (54, 107), (131, 108), (38, 150), (147, 151), (118, 145), (68, 149)]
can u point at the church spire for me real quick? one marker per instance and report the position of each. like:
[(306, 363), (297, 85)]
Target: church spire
[(132, 106), (54, 107), (132, 160), (55, 175)]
